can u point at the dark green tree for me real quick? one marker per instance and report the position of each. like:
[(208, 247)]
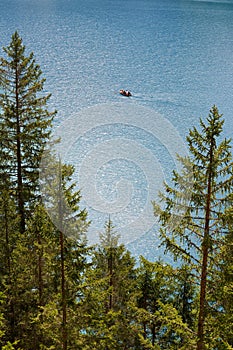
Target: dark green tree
[(110, 296), (44, 283), (9, 224), (25, 122), (185, 294), (194, 234), (69, 257), (220, 317), (164, 305)]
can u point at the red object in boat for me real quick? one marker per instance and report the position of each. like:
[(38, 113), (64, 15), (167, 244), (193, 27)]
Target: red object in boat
[(125, 93)]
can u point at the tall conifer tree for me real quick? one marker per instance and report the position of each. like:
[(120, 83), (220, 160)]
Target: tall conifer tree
[(62, 203), (25, 120), (196, 238), (110, 296), (8, 238), (221, 313)]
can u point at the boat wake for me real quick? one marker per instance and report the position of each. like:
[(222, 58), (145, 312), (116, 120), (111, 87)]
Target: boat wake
[(164, 98)]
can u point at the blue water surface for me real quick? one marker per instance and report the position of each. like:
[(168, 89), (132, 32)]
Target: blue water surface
[(175, 56)]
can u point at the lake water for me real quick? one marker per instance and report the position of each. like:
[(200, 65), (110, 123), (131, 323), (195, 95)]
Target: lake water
[(175, 56)]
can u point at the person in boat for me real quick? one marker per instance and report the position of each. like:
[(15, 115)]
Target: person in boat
[(125, 93)]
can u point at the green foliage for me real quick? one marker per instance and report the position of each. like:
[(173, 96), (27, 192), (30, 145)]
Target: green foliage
[(25, 123), (195, 233), (165, 305), (31, 274), (220, 330), (56, 293), (110, 296), (60, 269)]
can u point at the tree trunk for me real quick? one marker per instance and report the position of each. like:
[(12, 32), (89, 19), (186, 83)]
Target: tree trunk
[(205, 253), (110, 271), (9, 279), (19, 160), (40, 270), (63, 282), (63, 292)]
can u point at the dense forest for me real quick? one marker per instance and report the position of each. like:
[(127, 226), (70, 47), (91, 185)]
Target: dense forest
[(57, 292)]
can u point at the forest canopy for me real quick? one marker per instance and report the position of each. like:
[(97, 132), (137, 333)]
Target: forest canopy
[(57, 292)]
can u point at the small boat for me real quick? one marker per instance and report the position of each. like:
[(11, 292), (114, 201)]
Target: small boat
[(125, 93)]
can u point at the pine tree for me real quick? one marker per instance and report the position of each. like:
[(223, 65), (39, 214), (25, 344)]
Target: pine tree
[(45, 277), (110, 296), (45, 265), (25, 121), (163, 306), (220, 318), (185, 294), (226, 277), (70, 225), (9, 223), (196, 238)]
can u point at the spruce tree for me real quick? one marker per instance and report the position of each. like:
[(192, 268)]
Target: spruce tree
[(25, 121), (110, 296), (8, 239), (220, 316), (44, 281), (197, 238), (69, 234), (163, 305)]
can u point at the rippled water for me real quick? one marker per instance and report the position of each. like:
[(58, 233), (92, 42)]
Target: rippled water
[(175, 56)]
